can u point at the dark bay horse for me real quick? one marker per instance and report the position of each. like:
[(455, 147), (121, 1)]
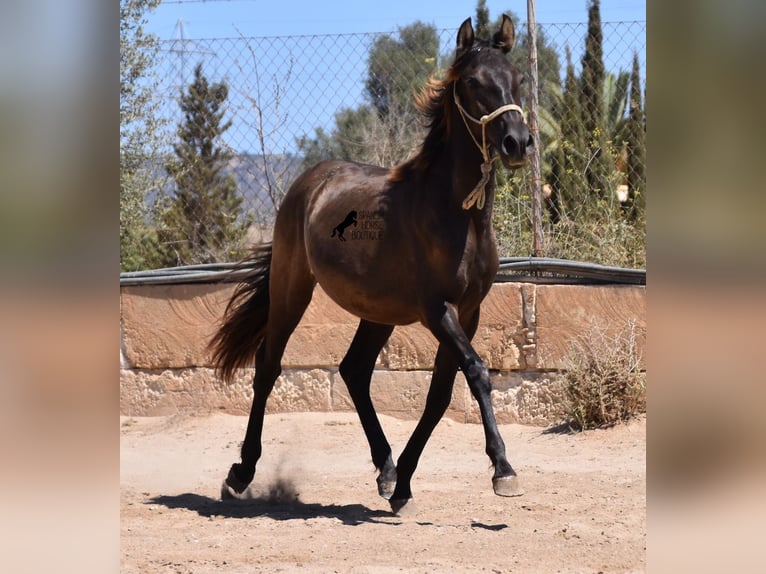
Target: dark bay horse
[(423, 250)]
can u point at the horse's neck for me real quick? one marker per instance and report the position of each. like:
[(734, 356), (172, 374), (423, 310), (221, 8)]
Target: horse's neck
[(465, 160)]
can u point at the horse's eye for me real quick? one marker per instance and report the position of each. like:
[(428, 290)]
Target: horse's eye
[(472, 82)]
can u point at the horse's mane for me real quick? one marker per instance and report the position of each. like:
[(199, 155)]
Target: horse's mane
[(434, 103)]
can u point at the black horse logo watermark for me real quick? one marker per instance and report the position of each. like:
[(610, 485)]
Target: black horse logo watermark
[(341, 227)]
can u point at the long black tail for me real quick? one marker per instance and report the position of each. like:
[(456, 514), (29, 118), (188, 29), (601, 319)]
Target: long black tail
[(236, 342)]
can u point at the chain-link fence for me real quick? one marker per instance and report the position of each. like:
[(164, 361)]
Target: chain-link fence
[(293, 100)]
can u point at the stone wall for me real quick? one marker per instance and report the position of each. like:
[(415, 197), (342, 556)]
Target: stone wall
[(524, 335)]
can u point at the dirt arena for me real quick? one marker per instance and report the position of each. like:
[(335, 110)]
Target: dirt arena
[(314, 504)]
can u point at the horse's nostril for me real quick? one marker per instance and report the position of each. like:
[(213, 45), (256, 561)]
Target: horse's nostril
[(510, 146)]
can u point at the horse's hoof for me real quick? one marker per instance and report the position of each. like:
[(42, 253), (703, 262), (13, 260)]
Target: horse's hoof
[(386, 488), (507, 486), (227, 492), (403, 507), (232, 487)]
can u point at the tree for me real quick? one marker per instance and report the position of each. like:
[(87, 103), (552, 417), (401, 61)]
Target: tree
[(569, 184), (592, 87), (549, 95), (636, 145), (399, 68), (615, 100), (593, 71), (202, 222), (382, 131), (548, 65), (482, 19), (139, 133)]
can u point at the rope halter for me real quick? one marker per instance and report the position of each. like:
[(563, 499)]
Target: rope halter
[(477, 196)]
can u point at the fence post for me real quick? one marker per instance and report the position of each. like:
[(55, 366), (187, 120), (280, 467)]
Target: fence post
[(536, 188)]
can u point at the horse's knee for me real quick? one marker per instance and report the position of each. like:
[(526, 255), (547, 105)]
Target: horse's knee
[(477, 375)]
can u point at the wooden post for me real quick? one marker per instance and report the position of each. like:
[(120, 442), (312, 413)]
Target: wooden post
[(534, 130)]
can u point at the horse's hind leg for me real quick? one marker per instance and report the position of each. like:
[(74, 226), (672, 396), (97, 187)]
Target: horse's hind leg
[(292, 288), (356, 370)]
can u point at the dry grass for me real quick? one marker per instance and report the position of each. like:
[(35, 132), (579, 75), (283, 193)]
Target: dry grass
[(604, 382)]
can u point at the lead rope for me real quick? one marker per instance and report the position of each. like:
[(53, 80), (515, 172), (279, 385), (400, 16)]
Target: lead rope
[(478, 196)]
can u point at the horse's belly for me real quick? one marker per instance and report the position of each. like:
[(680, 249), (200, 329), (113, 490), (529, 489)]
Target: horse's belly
[(365, 277), (356, 248), (369, 304)]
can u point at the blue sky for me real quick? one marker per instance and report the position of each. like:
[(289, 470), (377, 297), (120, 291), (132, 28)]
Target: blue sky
[(259, 19), (234, 18)]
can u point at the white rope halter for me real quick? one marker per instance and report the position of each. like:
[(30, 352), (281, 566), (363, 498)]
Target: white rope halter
[(477, 196)]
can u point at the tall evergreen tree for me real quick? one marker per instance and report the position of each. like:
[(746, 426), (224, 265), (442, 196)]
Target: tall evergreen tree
[(139, 133), (592, 86), (593, 71), (549, 88), (571, 184), (482, 20), (202, 222), (636, 138), (548, 64)]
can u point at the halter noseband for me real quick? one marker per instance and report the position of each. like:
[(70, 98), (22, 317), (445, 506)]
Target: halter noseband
[(477, 195)]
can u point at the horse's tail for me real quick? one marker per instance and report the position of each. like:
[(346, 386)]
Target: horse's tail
[(236, 342), (334, 230)]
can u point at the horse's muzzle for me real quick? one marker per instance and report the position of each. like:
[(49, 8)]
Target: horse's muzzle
[(516, 144)]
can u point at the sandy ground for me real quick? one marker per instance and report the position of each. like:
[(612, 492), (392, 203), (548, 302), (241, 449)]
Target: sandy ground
[(314, 504)]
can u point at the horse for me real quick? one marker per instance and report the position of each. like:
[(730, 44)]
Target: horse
[(341, 227), (432, 260)]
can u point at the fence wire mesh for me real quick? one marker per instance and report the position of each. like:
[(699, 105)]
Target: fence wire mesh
[(293, 100)]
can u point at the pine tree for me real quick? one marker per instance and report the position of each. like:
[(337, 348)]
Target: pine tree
[(592, 86), (636, 137), (482, 20), (202, 221), (593, 70), (549, 92), (571, 185)]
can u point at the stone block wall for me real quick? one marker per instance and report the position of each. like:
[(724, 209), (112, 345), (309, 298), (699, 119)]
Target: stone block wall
[(524, 335)]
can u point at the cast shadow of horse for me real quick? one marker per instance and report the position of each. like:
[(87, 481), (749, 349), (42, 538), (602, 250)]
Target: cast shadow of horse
[(280, 510)]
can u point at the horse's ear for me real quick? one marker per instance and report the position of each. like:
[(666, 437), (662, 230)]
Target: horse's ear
[(464, 38), (504, 37)]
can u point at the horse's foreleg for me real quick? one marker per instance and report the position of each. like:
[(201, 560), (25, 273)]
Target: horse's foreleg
[(457, 337), (356, 369), (504, 480)]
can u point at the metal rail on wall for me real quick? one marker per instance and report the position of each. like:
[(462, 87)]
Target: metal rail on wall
[(542, 270)]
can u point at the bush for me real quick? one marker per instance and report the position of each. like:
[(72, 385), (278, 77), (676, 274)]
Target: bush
[(603, 382), (595, 231)]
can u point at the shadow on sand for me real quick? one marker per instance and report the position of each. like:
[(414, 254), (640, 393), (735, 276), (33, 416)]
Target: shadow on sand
[(290, 509)]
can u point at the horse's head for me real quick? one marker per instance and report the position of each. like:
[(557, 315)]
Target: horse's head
[(487, 93)]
